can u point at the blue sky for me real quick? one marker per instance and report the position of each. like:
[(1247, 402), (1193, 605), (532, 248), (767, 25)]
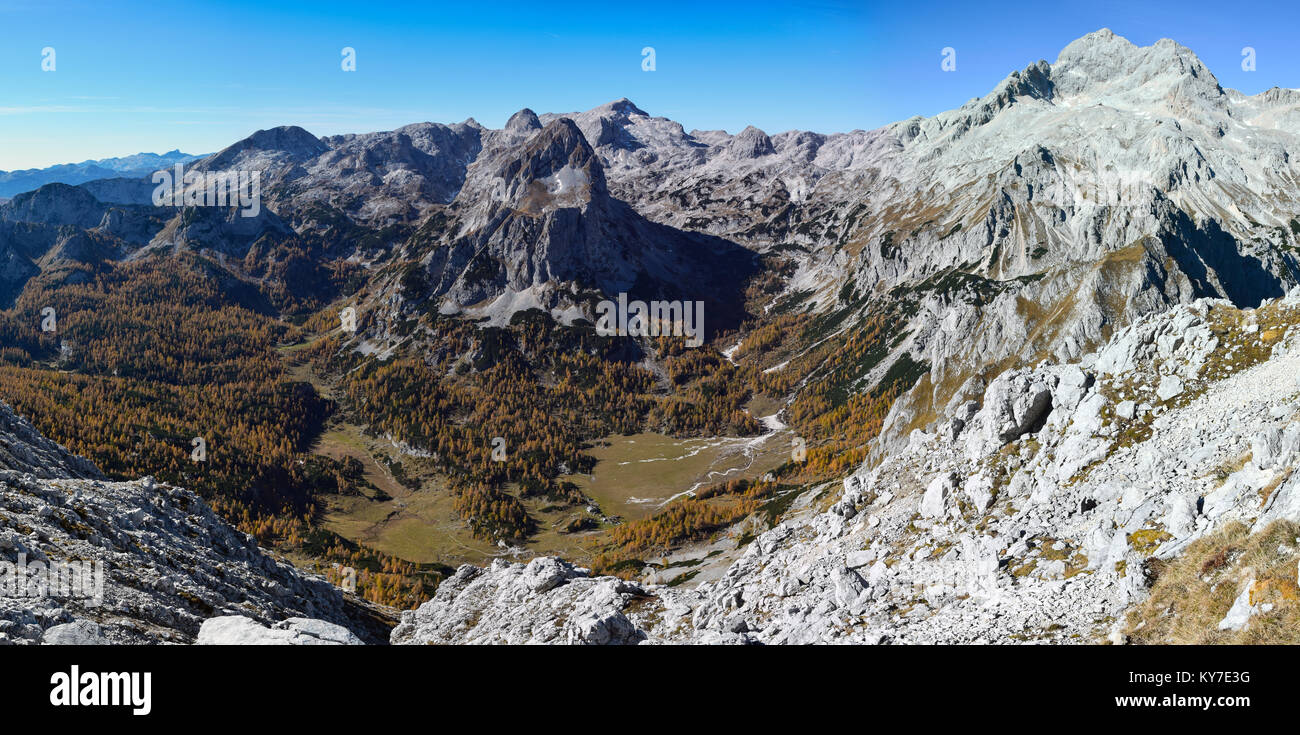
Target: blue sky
[(153, 76)]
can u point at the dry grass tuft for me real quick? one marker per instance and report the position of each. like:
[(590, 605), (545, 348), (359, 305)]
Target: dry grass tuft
[(1194, 591)]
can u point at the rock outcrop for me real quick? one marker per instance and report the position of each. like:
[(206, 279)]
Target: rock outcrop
[(238, 630), (87, 560), (483, 606)]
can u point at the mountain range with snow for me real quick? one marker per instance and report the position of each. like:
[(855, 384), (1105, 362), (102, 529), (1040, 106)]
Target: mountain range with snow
[(139, 164)]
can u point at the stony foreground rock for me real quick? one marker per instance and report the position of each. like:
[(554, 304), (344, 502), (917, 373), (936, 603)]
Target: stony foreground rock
[(237, 630), (1026, 516), (169, 563)]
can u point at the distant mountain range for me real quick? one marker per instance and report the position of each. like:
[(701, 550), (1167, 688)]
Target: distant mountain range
[(1118, 181), (139, 164)]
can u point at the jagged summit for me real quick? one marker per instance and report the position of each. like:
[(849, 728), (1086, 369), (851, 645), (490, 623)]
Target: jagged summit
[(535, 220), (621, 106), (1101, 41), (523, 121), (1104, 67), (750, 143), (560, 161)]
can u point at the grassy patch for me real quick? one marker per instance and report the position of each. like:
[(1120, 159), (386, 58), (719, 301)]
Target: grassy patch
[(1195, 591), (1147, 540)]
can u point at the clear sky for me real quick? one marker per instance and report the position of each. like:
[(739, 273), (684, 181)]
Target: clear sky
[(153, 76)]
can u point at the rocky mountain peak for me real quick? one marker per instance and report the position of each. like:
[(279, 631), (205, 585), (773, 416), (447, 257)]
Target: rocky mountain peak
[(287, 143), (55, 204), (1034, 81), (621, 107), (288, 138), (750, 143), (1103, 66), (1279, 96), (1103, 41), (560, 158), (523, 121)]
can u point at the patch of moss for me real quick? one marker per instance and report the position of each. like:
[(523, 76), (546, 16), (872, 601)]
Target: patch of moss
[(1147, 540), (1024, 569)]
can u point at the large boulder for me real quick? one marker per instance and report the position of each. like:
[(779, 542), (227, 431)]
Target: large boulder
[(545, 601), (237, 630), (1016, 403), (934, 504), (78, 633)]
